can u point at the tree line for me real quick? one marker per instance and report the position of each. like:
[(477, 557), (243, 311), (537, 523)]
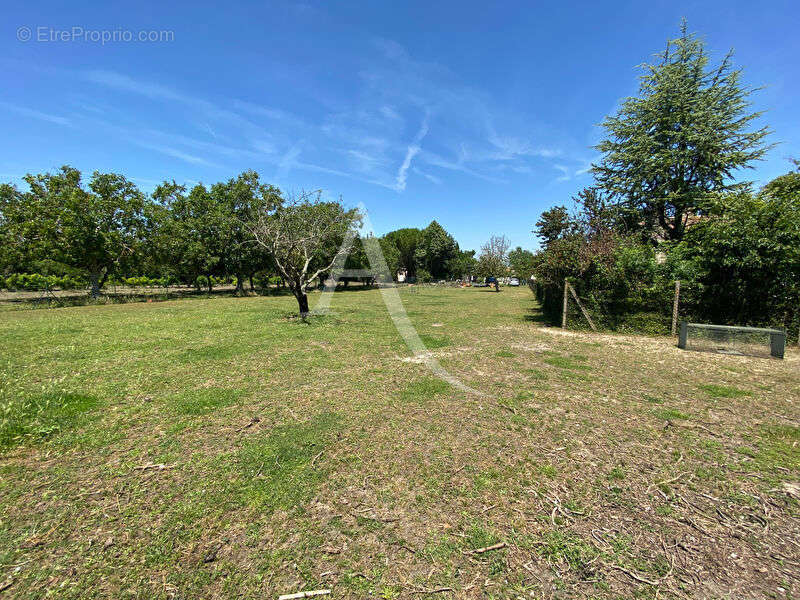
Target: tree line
[(64, 230), (666, 205)]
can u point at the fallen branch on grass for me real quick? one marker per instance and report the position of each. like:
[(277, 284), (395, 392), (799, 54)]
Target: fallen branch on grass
[(159, 467), (633, 575), (252, 422), (510, 409), (489, 548), (309, 594), (432, 591), (668, 481), (670, 423)]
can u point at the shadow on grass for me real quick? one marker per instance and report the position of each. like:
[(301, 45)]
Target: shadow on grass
[(535, 314), (126, 297), (82, 298)]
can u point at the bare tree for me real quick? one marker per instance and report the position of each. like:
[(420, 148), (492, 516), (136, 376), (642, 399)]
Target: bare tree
[(493, 260), (304, 236)]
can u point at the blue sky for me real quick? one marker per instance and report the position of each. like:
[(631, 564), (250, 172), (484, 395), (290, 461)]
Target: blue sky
[(478, 114)]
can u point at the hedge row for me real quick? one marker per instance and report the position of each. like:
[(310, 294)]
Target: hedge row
[(37, 282)]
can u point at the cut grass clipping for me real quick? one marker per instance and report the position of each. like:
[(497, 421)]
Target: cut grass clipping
[(432, 342), (572, 363), (723, 391), (203, 401), (276, 471), (41, 415), (424, 389)]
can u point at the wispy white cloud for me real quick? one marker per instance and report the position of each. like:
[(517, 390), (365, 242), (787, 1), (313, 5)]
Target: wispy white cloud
[(402, 172), (566, 175), (587, 166), (412, 150), (367, 162), (428, 176), (125, 83), (268, 112), (391, 49), (158, 92), (210, 130), (367, 140), (288, 160), (35, 114), (509, 147), (389, 112), (436, 160), (175, 153)]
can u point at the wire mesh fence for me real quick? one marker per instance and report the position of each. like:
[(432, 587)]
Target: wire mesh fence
[(657, 309), (722, 339)]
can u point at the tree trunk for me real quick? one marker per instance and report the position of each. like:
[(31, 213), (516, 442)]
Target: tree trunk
[(252, 286), (302, 301), (94, 277), (210, 285), (239, 285)]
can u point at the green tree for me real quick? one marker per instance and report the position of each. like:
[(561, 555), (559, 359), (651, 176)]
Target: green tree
[(405, 241), (12, 243), (357, 259), (554, 224), (91, 229), (522, 262), (165, 253), (677, 145), (463, 264), (199, 225), (391, 254), (435, 249), (236, 203)]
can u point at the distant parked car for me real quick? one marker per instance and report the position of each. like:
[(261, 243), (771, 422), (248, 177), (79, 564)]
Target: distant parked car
[(513, 282)]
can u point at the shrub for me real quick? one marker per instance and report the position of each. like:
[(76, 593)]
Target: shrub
[(423, 276)]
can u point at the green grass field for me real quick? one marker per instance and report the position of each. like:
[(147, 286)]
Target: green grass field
[(219, 448)]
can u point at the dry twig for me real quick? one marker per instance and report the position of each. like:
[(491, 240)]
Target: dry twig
[(633, 575), (488, 548), (309, 594), (158, 467), (431, 591), (252, 422)]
